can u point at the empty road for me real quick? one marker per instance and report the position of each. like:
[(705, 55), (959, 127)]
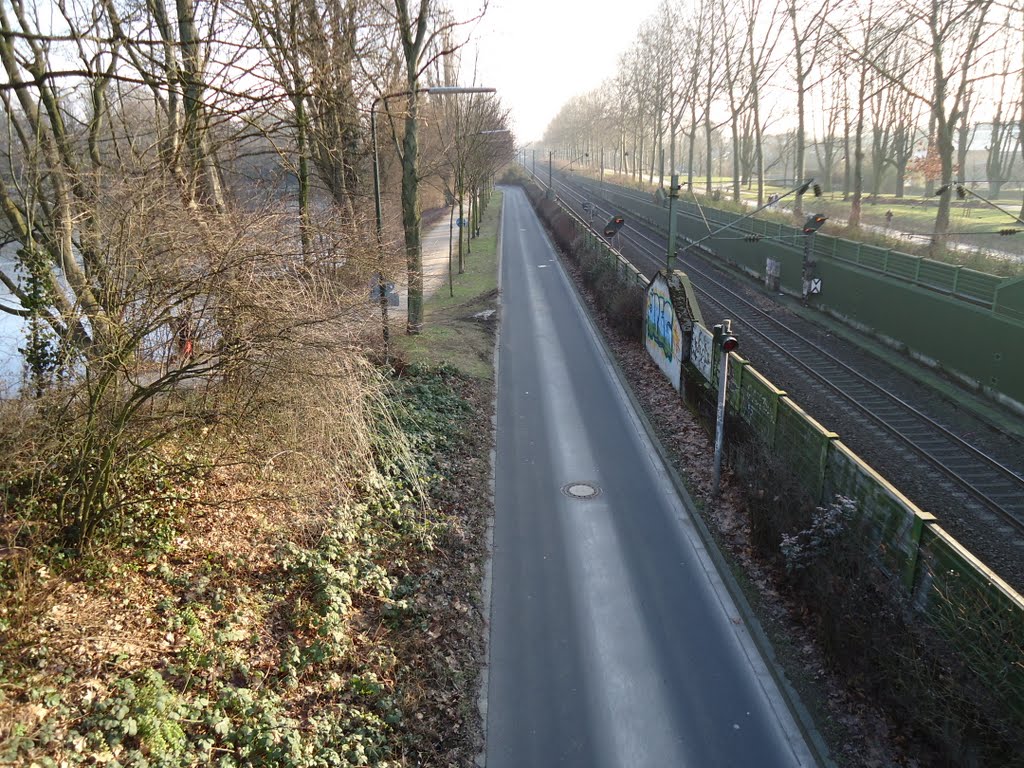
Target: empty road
[(613, 640)]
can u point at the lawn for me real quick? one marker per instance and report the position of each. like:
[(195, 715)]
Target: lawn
[(974, 229), (458, 329)]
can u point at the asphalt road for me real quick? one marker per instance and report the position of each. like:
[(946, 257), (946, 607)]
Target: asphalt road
[(613, 640)]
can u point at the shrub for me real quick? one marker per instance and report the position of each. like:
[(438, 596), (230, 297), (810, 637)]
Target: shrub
[(868, 626)]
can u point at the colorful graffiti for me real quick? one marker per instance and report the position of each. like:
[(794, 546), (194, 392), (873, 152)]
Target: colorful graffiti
[(662, 335), (660, 323)]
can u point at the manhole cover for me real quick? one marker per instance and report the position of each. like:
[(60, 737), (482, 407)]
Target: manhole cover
[(580, 490)]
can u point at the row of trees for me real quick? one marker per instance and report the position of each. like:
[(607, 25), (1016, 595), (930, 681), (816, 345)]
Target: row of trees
[(186, 190), (850, 93)]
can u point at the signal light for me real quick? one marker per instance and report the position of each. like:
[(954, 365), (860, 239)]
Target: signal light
[(613, 226), (729, 344), (813, 223)]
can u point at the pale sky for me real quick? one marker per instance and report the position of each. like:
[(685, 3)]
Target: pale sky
[(541, 53)]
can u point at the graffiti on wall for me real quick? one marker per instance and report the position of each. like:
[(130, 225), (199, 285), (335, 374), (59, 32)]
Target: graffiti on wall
[(663, 335), (700, 351)]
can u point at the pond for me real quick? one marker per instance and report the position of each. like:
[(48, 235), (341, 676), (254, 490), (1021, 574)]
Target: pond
[(12, 333)]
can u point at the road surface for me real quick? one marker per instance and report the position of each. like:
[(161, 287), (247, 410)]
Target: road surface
[(613, 640)]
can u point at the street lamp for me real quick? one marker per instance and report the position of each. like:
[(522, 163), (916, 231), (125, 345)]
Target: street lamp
[(440, 90)]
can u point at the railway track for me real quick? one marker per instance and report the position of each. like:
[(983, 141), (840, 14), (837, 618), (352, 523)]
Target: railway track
[(987, 481)]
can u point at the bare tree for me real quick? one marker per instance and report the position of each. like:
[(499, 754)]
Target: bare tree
[(311, 48), (1004, 134), (951, 36), (807, 27), (732, 48), (417, 35)]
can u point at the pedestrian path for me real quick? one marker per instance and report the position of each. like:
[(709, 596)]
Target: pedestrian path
[(436, 240)]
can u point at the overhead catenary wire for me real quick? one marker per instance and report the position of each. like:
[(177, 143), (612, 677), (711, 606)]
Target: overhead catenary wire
[(802, 189), (962, 190)]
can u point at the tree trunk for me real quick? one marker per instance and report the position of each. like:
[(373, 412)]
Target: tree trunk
[(205, 177), (858, 149), (690, 147), (944, 144), (847, 165), (302, 149), (735, 158), (411, 218), (413, 37)]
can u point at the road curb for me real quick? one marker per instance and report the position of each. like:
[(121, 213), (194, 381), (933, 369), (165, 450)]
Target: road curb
[(485, 589)]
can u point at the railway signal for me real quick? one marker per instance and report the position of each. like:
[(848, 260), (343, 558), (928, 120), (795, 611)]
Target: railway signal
[(613, 226), (809, 282), (726, 342), (813, 223)]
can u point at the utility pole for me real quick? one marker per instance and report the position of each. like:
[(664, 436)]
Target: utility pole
[(551, 189), (673, 194)]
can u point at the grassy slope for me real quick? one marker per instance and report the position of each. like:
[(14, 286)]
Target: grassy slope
[(262, 630), (451, 335)]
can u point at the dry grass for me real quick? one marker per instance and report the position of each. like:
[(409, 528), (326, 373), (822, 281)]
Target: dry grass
[(280, 452)]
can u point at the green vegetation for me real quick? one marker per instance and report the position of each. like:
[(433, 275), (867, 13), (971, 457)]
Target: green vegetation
[(458, 331), (265, 634), (293, 587)]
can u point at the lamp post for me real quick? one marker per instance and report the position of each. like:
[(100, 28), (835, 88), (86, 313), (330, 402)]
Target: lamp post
[(440, 90)]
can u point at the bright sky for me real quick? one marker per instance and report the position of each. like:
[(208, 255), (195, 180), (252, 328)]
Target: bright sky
[(541, 53)]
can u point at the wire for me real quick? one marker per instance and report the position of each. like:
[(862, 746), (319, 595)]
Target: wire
[(1001, 232), (802, 189), (700, 208), (962, 191)]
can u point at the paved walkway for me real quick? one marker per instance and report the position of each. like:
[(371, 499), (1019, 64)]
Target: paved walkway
[(435, 239)]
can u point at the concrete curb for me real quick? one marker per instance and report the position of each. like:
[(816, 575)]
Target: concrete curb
[(485, 589)]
